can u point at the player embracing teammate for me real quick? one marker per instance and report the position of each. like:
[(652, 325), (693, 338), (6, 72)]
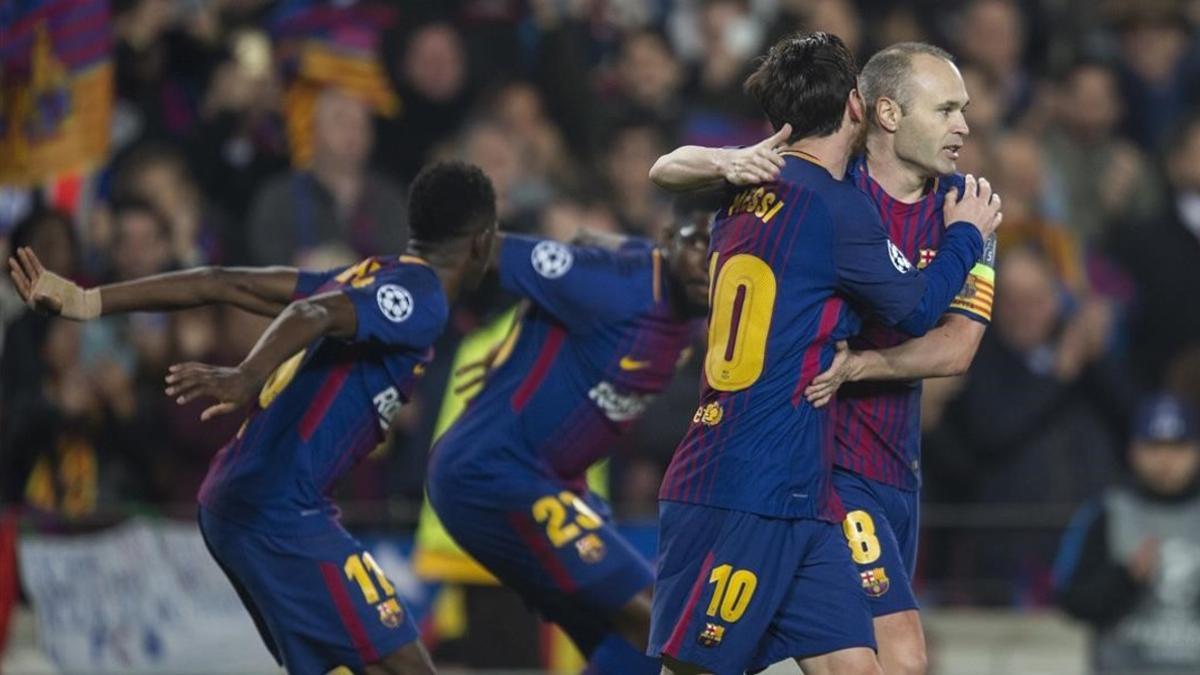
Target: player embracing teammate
[(752, 566)]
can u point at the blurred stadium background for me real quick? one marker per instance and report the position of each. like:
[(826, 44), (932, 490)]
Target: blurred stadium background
[(138, 136)]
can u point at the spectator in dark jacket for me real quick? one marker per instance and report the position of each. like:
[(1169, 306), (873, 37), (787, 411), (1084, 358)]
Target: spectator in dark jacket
[(1129, 565)]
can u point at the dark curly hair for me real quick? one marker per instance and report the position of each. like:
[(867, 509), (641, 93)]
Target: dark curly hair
[(449, 200)]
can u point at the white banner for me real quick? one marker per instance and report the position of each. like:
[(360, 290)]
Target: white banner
[(143, 597)]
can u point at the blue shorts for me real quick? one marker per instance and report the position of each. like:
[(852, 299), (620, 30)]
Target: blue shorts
[(881, 527), (555, 545), (737, 591), (319, 602)]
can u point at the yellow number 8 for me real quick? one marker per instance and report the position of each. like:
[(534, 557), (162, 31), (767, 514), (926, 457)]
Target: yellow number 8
[(860, 534), (743, 299)]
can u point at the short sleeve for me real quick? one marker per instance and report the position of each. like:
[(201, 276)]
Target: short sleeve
[(401, 306), (580, 286), (308, 283)]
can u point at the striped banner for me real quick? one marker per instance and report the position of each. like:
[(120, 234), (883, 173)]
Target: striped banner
[(320, 44), (56, 88)]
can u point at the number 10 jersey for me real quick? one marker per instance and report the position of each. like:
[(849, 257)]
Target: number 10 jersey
[(793, 266)]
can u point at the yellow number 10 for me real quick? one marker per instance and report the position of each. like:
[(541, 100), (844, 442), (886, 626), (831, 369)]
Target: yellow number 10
[(743, 299), (733, 592)]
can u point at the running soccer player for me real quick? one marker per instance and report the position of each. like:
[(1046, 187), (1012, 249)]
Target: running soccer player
[(915, 101), (603, 334), (323, 383), (752, 567)]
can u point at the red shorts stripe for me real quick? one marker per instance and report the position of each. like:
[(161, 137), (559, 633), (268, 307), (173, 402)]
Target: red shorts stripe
[(681, 626), (541, 551), (345, 609)]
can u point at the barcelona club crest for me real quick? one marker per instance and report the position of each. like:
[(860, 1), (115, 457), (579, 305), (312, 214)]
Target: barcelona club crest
[(711, 636), (591, 549), (709, 415), (390, 613), (875, 582)]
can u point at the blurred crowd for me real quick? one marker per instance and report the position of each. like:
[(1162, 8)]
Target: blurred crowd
[(1085, 115)]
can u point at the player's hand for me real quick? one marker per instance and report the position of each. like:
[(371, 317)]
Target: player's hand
[(47, 292), (976, 204), (1145, 560), (231, 387), (820, 391), (758, 163)]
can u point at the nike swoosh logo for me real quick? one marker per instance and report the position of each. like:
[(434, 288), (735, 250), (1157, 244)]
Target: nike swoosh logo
[(632, 364)]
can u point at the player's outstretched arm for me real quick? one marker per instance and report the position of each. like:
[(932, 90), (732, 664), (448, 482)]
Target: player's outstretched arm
[(298, 325), (693, 167), (261, 290), (945, 351)]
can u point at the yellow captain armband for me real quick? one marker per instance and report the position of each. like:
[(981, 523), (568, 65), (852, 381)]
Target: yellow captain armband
[(978, 291)]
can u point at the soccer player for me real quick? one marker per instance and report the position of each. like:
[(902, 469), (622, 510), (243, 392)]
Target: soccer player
[(753, 566), (915, 100), (322, 383), (603, 334)]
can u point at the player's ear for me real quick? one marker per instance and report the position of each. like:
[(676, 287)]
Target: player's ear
[(481, 243), (888, 113), (855, 107)]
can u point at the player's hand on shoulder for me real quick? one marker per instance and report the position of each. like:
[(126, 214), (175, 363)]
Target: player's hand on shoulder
[(758, 163), (47, 292), (231, 387), (976, 204)]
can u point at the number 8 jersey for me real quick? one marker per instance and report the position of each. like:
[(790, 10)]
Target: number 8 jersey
[(793, 266)]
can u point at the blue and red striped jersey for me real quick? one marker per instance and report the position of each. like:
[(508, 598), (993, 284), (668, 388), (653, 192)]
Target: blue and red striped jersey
[(878, 432), (328, 406), (789, 260), (600, 339)]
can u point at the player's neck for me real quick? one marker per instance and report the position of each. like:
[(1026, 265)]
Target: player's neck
[(898, 178), (831, 152), (446, 265)]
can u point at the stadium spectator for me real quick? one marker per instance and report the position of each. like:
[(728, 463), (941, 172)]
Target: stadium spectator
[(430, 69), (719, 113), (239, 139), (632, 149), (1104, 181), (159, 174), (520, 190), (1040, 415), (338, 200), (1160, 70), (992, 34), (1162, 253), (1129, 565), (74, 435), (648, 80)]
